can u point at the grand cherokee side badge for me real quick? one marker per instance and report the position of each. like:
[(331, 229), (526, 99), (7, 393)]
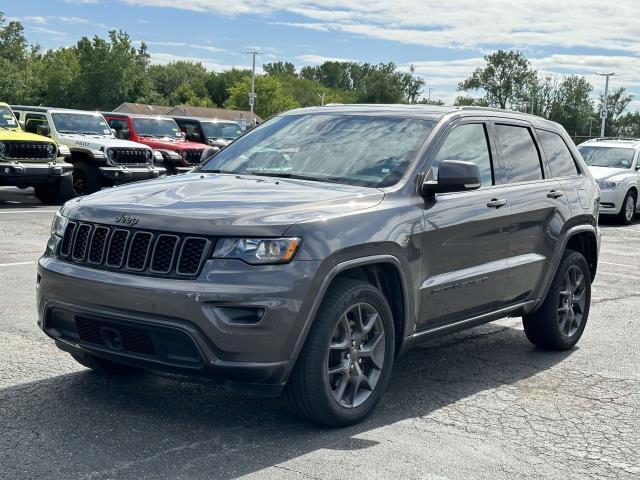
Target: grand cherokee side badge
[(131, 221)]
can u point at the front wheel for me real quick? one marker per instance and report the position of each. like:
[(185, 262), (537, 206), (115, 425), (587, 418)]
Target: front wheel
[(559, 322), (628, 209), (86, 178), (346, 362)]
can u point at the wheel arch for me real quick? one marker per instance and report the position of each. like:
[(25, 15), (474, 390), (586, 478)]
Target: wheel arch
[(383, 271)]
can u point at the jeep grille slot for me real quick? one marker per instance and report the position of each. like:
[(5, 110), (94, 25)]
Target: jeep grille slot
[(130, 156), (192, 156), (134, 251), (191, 255), (17, 150)]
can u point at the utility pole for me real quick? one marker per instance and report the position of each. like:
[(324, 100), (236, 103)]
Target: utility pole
[(252, 95), (321, 95), (604, 112), (429, 95)]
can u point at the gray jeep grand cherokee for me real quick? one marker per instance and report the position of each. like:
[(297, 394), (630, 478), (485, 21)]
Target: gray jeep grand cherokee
[(309, 253)]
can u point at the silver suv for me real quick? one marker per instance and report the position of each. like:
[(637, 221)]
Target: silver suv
[(310, 252), (615, 164)]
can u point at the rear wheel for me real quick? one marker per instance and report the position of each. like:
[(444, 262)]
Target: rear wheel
[(559, 322), (101, 365), (57, 192), (346, 362), (86, 178), (628, 209)]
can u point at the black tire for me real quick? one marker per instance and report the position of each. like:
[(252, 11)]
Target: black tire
[(86, 178), (553, 326), (103, 366), (57, 192), (310, 390), (626, 216)]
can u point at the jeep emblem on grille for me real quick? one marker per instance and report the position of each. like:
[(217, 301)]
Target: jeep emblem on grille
[(131, 221)]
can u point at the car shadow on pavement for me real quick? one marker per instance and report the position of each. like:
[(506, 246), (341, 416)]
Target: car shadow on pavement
[(85, 425)]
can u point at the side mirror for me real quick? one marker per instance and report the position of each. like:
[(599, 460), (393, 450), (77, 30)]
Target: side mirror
[(43, 130), (453, 176), (638, 166), (113, 132)]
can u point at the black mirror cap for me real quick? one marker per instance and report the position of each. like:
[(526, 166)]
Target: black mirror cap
[(453, 176)]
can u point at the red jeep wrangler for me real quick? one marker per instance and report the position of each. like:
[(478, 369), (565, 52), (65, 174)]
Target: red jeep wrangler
[(163, 135)]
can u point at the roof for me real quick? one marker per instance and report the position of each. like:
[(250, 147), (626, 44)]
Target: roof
[(51, 109), (134, 115), (202, 119), (141, 108), (613, 142), (430, 112), (206, 112)]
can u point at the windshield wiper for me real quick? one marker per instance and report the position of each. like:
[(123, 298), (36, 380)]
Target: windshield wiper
[(217, 170), (296, 176)]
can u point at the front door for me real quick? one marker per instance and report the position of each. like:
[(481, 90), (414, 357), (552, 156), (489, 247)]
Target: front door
[(466, 236)]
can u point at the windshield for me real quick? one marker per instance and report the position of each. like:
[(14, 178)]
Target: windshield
[(354, 149), (7, 120), (84, 123), (229, 131), (607, 156), (156, 127)]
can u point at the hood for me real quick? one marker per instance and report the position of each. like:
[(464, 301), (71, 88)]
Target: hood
[(608, 173), (223, 204), (168, 143), (19, 135), (97, 141)]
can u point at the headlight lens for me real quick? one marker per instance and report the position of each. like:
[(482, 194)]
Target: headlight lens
[(3, 148), (59, 225), (111, 153), (258, 251), (608, 185), (149, 154), (51, 149)]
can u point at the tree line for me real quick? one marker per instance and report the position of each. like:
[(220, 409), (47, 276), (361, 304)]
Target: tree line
[(101, 73)]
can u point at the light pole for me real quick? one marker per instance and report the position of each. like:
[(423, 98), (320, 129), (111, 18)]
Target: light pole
[(252, 95), (429, 96), (321, 95), (604, 112)]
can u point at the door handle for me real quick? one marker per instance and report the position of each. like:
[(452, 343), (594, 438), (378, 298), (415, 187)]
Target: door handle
[(497, 203), (554, 194)]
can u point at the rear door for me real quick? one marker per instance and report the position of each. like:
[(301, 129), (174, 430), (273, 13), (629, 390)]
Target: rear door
[(539, 208), (466, 235)]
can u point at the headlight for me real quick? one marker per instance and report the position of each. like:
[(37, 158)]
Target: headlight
[(111, 153), (149, 154), (51, 149), (3, 148), (608, 185), (64, 151), (59, 225), (257, 251)]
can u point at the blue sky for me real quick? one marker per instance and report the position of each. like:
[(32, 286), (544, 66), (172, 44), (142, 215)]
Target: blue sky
[(444, 41)]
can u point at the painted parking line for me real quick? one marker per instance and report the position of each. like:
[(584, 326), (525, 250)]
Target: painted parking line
[(16, 264), (621, 275), (619, 264), (35, 210), (626, 229)]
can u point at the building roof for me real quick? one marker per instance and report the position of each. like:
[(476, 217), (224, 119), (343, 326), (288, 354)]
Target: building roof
[(206, 112), (141, 108)]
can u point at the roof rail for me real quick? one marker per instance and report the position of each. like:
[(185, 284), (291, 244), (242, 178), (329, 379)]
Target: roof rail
[(627, 139)]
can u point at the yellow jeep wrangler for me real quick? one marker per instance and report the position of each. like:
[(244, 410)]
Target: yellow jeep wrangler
[(30, 160)]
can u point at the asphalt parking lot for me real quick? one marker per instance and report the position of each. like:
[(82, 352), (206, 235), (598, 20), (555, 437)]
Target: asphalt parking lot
[(481, 404)]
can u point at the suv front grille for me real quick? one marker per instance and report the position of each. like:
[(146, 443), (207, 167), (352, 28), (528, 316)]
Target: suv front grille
[(130, 156), (193, 157), (16, 150), (135, 251)]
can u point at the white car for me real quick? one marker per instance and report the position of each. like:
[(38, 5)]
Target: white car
[(99, 158), (615, 164)]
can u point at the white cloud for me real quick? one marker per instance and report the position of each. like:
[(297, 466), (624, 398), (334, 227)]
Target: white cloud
[(207, 48), (318, 59), (48, 31), (161, 58)]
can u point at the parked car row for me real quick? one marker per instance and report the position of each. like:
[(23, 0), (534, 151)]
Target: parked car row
[(63, 153)]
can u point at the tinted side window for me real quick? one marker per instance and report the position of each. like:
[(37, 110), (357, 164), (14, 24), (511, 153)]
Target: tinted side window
[(561, 161), (467, 142), (522, 161)]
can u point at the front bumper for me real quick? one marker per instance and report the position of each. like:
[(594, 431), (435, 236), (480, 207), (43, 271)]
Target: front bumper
[(253, 356), (32, 173), (611, 201), (124, 174)]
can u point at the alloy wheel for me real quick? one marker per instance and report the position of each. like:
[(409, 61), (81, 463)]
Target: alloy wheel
[(572, 301), (630, 208), (356, 355)]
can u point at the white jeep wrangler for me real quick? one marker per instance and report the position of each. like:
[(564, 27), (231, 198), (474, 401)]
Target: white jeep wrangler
[(98, 157)]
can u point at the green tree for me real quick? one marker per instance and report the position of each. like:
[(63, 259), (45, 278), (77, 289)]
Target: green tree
[(219, 83), (627, 125), (503, 79), (271, 97), (279, 69), (617, 103), (110, 71), (465, 100), (15, 81)]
